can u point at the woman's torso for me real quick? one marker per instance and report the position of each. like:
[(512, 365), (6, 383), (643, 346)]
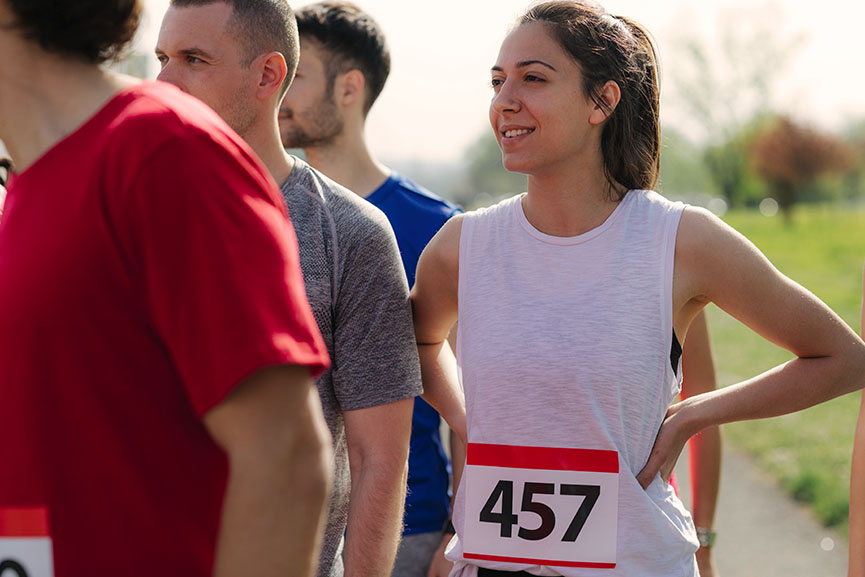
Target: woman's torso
[(564, 343)]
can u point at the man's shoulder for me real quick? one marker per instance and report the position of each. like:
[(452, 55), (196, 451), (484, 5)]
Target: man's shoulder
[(151, 115), (342, 205), (419, 198), (404, 200), (160, 106)]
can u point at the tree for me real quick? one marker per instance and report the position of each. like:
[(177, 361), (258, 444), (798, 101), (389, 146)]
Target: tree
[(720, 89), (790, 156)]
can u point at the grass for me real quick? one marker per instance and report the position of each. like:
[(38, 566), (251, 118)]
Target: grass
[(807, 452)]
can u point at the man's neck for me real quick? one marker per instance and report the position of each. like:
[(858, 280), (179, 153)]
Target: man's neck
[(267, 145), (46, 103), (349, 162)]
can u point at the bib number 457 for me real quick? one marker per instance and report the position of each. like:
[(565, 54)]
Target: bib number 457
[(567, 499), (503, 494)]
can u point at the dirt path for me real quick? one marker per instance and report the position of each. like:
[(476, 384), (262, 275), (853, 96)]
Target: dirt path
[(764, 533)]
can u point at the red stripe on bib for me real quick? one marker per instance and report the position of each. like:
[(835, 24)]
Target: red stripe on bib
[(551, 458), (29, 522)]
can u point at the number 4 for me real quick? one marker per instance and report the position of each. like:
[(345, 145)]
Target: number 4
[(507, 519)]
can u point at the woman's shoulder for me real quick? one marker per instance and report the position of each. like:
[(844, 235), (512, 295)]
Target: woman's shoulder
[(652, 199), (502, 206)]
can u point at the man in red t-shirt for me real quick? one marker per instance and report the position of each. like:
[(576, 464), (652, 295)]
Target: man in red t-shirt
[(157, 413)]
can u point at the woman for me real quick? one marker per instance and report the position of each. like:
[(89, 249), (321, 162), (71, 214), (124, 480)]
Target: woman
[(572, 300)]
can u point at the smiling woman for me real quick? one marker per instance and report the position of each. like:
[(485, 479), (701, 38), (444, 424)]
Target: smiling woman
[(572, 300)]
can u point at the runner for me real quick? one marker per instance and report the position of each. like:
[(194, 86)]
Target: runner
[(157, 413), (344, 64), (245, 55), (571, 299), (856, 550), (698, 376)]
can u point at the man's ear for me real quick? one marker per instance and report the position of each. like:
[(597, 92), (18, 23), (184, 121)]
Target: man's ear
[(610, 95), (350, 88), (271, 70)]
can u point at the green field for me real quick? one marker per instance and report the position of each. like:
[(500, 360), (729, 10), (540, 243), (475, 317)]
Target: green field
[(808, 452)]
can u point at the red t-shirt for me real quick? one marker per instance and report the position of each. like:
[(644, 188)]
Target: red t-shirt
[(146, 268)]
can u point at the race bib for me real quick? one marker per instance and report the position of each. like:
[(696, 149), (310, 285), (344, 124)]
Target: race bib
[(25, 544), (541, 505)]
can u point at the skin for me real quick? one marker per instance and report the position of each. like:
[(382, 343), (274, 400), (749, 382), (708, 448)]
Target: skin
[(309, 116), (328, 123), (270, 426), (536, 85), (200, 54), (856, 567), (273, 432), (440, 566), (705, 447)]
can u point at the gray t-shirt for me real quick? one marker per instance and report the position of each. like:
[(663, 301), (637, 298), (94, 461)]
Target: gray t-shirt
[(357, 288)]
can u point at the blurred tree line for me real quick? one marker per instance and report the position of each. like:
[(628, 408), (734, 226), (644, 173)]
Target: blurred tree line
[(738, 146)]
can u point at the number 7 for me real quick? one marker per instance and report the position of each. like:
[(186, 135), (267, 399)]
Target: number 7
[(591, 494)]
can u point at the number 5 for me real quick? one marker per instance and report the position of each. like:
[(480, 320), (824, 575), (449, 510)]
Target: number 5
[(548, 517)]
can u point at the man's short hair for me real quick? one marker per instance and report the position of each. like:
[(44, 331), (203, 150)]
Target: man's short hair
[(351, 39), (90, 30), (261, 26)]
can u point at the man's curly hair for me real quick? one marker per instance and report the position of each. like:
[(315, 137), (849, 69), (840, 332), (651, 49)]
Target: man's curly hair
[(91, 30)]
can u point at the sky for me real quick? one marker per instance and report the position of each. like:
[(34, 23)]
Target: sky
[(435, 103)]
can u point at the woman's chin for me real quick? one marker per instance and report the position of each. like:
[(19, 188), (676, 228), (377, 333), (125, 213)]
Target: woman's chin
[(517, 165)]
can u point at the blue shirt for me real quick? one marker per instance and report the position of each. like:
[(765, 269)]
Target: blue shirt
[(416, 215)]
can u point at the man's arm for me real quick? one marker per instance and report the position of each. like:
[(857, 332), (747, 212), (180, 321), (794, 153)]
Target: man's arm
[(856, 567), (705, 447), (280, 465), (378, 441)]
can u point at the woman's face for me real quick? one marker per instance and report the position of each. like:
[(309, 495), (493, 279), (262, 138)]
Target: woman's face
[(539, 111)]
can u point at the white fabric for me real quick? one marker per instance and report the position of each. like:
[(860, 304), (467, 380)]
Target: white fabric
[(565, 342)]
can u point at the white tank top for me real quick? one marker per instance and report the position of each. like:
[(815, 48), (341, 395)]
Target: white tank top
[(564, 348)]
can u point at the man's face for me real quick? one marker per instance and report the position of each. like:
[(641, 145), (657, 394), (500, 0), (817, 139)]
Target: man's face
[(200, 54), (309, 116)]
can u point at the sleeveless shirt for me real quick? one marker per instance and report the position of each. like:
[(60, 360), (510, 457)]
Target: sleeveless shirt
[(564, 342)]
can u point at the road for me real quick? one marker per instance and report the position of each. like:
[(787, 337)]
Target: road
[(764, 533)]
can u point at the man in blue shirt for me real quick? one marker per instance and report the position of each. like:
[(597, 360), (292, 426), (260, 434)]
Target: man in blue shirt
[(344, 64)]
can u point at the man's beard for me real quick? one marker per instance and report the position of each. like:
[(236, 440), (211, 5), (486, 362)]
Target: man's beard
[(325, 125)]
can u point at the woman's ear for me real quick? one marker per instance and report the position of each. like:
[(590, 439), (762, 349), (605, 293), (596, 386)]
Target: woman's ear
[(610, 95)]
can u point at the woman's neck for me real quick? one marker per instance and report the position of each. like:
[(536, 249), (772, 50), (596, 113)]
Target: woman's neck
[(570, 203)]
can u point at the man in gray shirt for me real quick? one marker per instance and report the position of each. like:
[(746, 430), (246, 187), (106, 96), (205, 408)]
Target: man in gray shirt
[(239, 57)]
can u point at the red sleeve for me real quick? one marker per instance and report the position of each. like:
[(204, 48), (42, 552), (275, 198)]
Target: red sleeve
[(218, 266)]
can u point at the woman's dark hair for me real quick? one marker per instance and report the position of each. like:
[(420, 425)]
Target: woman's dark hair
[(613, 48), (91, 30)]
